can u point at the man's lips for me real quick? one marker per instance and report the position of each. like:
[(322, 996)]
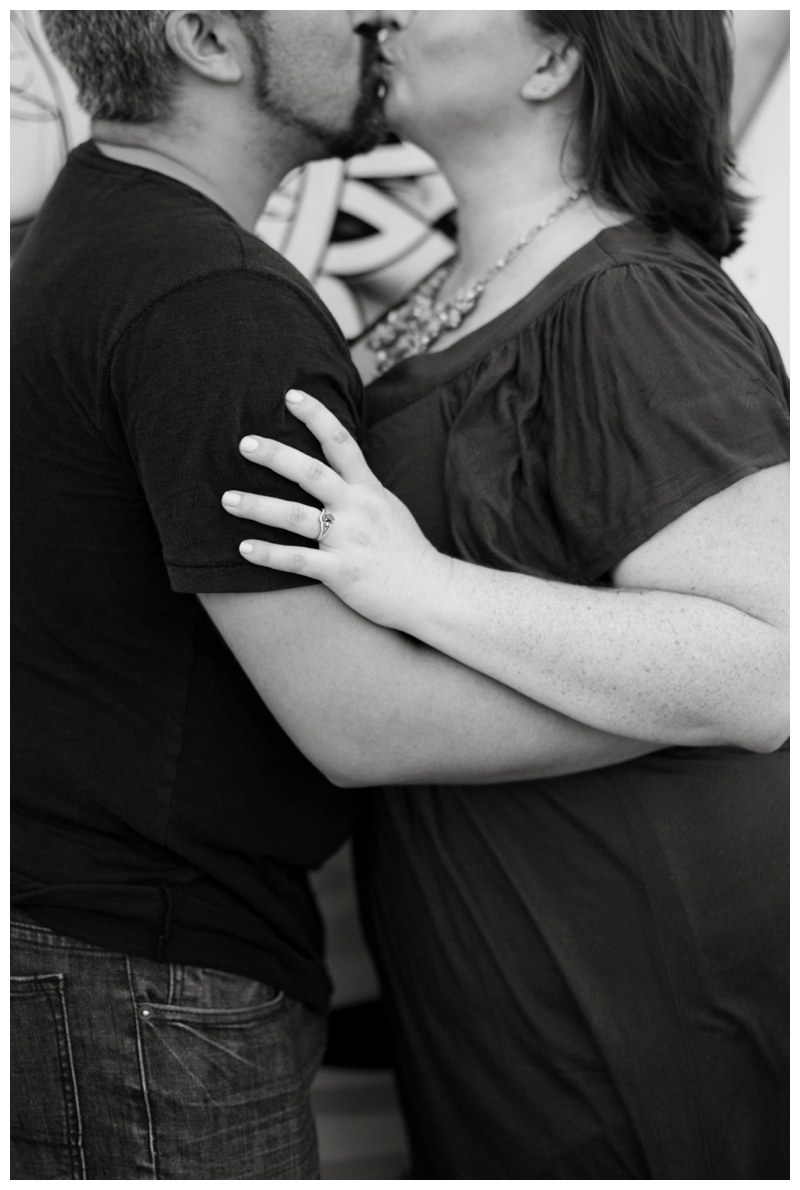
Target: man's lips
[(373, 62)]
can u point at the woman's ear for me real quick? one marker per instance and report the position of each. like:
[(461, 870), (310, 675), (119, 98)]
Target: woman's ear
[(206, 43), (555, 69)]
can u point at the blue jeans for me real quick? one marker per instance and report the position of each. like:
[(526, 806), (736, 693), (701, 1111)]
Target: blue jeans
[(127, 1068)]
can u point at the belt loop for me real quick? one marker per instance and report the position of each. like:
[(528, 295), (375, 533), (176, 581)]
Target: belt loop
[(163, 937)]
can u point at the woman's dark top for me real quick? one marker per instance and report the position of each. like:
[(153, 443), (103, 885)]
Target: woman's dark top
[(588, 973)]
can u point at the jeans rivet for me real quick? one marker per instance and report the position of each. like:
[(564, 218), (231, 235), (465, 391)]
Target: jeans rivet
[(145, 1012)]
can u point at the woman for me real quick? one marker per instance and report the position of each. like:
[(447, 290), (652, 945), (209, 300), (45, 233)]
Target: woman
[(588, 423)]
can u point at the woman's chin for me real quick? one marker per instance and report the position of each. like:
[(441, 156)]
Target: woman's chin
[(408, 119), (398, 118)]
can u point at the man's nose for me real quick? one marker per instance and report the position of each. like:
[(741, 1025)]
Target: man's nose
[(365, 21), (369, 22)]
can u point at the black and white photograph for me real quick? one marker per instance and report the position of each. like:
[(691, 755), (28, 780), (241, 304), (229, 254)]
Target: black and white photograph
[(399, 561)]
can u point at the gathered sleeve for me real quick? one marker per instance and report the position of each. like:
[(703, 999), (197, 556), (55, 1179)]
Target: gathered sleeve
[(638, 394)]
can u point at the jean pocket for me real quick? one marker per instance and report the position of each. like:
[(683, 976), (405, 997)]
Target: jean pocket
[(46, 1140), (236, 1081), (212, 997)]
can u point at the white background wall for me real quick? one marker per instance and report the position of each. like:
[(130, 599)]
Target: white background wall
[(761, 266)]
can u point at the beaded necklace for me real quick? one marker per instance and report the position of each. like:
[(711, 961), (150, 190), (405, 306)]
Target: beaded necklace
[(413, 327)]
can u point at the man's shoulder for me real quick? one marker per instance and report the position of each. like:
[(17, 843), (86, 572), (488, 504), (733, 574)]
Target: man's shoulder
[(267, 267), (221, 256), (124, 240), (181, 238)]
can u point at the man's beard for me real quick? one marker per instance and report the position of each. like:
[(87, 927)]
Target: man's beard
[(366, 129)]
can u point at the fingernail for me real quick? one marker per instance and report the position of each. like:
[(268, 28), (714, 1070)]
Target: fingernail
[(232, 498), (248, 444), (294, 396), (245, 548)]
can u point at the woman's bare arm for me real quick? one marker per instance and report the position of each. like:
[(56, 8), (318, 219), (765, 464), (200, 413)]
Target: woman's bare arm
[(689, 646)]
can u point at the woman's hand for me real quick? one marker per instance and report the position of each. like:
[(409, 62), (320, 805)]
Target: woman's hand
[(373, 556)]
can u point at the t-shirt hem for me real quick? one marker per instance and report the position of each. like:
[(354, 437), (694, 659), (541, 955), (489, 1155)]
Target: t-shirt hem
[(637, 531), (221, 580), (138, 940)]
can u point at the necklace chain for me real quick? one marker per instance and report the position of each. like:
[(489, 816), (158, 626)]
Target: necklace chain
[(413, 327)]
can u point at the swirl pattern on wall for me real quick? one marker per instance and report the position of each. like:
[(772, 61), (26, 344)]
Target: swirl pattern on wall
[(364, 231)]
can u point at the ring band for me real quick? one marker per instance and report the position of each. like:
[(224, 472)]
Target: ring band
[(326, 519)]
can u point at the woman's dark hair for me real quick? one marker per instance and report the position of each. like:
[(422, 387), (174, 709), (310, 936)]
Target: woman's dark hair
[(654, 115)]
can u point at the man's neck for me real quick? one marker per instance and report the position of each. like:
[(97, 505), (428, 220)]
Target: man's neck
[(238, 181)]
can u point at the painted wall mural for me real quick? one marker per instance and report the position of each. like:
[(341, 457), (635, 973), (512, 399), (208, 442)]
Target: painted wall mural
[(45, 121), (365, 230)]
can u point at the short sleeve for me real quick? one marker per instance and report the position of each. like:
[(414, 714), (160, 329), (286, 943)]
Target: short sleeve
[(662, 388), (639, 392), (202, 367)]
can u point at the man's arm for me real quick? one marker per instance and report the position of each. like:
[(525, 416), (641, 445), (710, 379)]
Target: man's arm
[(368, 706), (365, 704)]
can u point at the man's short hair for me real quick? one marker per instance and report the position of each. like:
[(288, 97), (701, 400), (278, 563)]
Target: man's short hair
[(120, 59)]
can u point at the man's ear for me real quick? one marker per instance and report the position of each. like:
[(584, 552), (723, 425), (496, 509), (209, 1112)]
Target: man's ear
[(206, 43), (556, 67)]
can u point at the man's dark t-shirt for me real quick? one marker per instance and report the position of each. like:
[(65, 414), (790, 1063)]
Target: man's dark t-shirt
[(158, 808)]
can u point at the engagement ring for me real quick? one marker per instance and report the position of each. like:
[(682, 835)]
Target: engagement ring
[(326, 519)]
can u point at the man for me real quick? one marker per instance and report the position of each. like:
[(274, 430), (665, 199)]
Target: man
[(169, 988)]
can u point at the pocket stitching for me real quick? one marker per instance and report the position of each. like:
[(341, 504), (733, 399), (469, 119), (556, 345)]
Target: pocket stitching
[(152, 1010), (73, 1075), (46, 987)]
